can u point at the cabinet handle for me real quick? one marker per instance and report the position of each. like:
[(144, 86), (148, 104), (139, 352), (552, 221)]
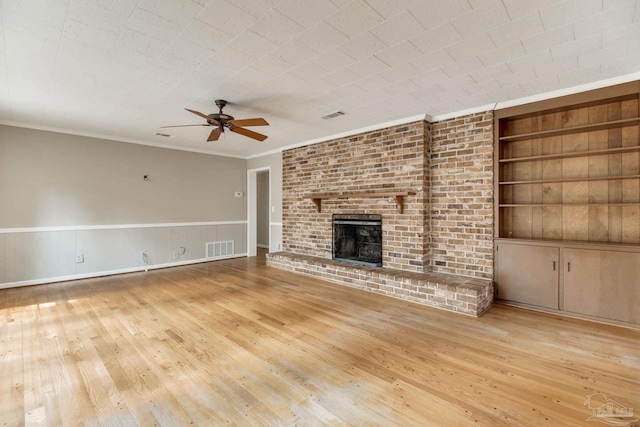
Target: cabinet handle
[(554, 266), (569, 267)]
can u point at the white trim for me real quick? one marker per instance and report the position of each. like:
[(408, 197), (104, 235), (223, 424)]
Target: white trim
[(569, 91), (275, 224), (112, 272), (266, 153), (270, 209), (114, 226), (262, 246), (115, 138), (488, 107), (540, 97), (461, 113), (419, 117), (500, 105)]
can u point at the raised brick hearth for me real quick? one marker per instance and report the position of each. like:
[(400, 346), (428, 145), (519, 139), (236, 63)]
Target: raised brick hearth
[(437, 250), (447, 291)]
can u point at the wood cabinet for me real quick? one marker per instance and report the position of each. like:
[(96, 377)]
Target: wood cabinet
[(604, 284), (528, 274), (568, 179), (591, 280)]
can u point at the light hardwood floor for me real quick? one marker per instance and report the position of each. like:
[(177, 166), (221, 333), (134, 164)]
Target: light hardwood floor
[(237, 343)]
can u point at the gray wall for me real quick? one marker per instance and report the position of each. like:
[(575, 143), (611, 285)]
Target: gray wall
[(262, 187), (54, 179), (64, 195)]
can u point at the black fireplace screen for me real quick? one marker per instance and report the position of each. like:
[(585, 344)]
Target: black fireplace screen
[(358, 239)]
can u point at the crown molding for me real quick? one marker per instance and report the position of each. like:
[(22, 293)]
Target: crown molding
[(113, 138)]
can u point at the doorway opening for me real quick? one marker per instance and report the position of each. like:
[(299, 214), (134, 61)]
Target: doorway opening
[(258, 210)]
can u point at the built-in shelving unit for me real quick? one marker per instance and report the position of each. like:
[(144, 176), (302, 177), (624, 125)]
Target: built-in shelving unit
[(568, 182), (570, 172), (398, 196)]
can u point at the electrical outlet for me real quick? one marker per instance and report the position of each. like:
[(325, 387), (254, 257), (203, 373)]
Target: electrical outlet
[(79, 258), (176, 255)]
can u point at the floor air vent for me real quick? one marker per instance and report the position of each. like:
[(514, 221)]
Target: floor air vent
[(219, 249)]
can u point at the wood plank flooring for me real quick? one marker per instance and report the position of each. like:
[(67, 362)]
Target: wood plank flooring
[(237, 343)]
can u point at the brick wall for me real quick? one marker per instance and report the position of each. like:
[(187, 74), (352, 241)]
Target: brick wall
[(447, 226), (461, 197), (388, 159)]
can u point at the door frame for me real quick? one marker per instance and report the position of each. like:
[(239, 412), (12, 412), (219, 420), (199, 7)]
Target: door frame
[(252, 209)]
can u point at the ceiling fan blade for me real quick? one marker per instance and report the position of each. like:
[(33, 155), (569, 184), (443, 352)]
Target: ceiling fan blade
[(181, 126), (214, 135), (249, 122), (197, 113), (249, 133)]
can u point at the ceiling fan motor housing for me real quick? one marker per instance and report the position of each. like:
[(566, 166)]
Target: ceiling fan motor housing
[(218, 117)]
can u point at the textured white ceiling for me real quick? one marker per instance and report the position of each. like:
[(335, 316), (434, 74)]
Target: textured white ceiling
[(123, 68)]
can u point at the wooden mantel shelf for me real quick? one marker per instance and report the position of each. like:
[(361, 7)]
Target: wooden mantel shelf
[(397, 195)]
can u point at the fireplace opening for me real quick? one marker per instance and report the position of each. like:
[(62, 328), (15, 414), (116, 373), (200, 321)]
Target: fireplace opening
[(358, 239)]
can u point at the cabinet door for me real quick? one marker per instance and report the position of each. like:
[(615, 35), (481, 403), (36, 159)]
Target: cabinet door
[(602, 283), (527, 274)]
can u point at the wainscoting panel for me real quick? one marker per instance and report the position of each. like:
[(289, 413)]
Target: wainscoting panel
[(106, 250), (275, 237), (237, 233), (41, 256), (27, 256)]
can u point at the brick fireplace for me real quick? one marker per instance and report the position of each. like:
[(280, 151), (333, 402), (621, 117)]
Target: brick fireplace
[(445, 226), (389, 159), (357, 239)]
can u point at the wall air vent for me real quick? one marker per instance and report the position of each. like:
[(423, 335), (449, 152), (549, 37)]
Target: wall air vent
[(219, 249), (164, 135), (333, 115)]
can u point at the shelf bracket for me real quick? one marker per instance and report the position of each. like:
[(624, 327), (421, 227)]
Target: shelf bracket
[(318, 203), (400, 202)]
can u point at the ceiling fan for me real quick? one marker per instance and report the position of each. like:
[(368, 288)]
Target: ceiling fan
[(222, 121)]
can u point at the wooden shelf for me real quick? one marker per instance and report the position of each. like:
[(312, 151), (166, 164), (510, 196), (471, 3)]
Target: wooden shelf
[(561, 180), (565, 131), (398, 196), (602, 152)]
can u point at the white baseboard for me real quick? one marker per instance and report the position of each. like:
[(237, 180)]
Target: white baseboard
[(263, 246), (112, 272)]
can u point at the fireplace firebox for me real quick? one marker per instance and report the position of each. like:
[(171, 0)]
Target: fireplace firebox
[(358, 239)]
